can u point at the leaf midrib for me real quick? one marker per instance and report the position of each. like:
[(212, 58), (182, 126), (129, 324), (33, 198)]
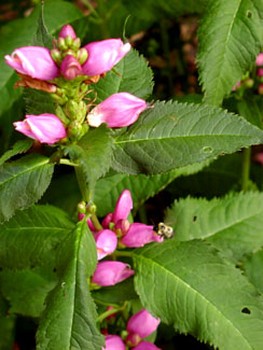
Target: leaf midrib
[(27, 170), (118, 142), (152, 262)]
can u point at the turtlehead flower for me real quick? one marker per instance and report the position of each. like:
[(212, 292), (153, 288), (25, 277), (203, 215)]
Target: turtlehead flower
[(45, 128), (109, 273), (118, 110), (131, 235), (70, 67), (103, 55), (140, 326), (34, 61), (67, 31), (113, 342), (146, 345), (106, 243)]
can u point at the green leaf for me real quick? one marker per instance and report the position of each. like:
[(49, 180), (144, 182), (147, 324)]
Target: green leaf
[(38, 102), (69, 321), (199, 293), (141, 186), (251, 107), (233, 224), (225, 55), (173, 135), (93, 153), (153, 10), (29, 244), (132, 74), (26, 290), (23, 182), (253, 267), (19, 147)]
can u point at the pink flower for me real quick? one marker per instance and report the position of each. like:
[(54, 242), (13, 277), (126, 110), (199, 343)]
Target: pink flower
[(118, 110), (103, 55), (113, 342), (106, 243), (109, 273), (142, 323), (145, 345), (70, 68), (140, 234), (131, 235), (45, 128), (259, 60), (66, 31), (34, 61)]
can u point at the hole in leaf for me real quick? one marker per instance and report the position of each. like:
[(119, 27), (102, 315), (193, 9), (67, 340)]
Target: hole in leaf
[(207, 149), (194, 218), (249, 14), (1, 269), (246, 310), (55, 269)]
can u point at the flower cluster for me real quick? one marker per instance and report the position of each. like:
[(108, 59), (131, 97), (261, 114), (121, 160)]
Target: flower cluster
[(66, 72), (116, 231), (139, 326)]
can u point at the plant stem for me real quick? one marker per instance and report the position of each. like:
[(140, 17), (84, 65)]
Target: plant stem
[(86, 196), (245, 169)]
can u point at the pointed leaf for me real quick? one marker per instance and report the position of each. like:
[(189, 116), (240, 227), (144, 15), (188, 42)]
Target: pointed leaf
[(225, 55), (174, 135), (132, 74), (23, 182), (199, 293), (29, 244), (233, 224), (70, 316)]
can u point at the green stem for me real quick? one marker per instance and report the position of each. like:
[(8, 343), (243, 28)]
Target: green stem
[(109, 313), (123, 253), (86, 196), (245, 169)]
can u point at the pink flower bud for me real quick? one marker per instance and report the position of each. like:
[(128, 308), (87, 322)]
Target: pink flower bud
[(140, 234), (45, 128), (70, 67), (103, 55), (34, 61), (118, 110), (123, 206), (145, 345), (260, 72), (66, 31), (113, 342), (142, 323), (259, 59), (109, 273), (106, 243)]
